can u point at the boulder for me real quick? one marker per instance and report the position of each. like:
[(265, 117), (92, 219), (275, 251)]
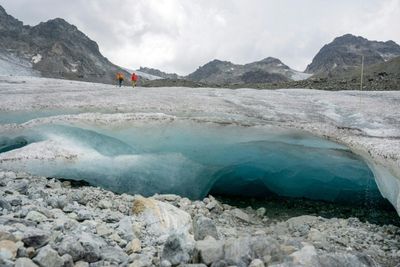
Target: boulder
[(48, 257), (209, 250), (160, 218), (24, 262), (35, 238), (202, 227), (8, 249), (70, 245), (178, 248), (237, 251), (257, 263), (35, 216)]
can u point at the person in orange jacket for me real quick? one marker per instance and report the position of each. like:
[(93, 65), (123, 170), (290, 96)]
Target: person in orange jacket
[(120, 78), (134, 79)]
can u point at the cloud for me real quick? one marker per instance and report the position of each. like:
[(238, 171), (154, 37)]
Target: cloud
[(180, 35)]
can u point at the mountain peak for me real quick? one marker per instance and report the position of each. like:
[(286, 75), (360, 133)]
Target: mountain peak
[(8, 22)]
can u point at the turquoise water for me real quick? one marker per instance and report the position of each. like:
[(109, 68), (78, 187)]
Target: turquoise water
[(193, 160)]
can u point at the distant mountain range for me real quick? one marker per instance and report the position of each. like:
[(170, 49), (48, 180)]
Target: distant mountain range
[(58, 49)]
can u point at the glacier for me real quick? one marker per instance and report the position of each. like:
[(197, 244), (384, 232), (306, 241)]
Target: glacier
[(194, 141)]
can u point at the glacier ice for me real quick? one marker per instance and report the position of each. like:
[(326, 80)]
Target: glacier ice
[(194, 159)]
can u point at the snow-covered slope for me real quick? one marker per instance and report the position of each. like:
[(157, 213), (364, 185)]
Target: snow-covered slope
[(13, 65)]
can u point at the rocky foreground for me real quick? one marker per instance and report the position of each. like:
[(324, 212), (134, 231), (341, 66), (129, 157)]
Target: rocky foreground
[(47, 222)]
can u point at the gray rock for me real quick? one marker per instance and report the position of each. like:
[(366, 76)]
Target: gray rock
[(5, 205), (202, 227), (35, 238), (261, 212), (209, 250), (70, 245), (192, 265), (345, 259), (83, 215), (81, 264), (68, 261), (36, 216), (237, 251), (48, 257), (125, 228), (113, 255), (91, 247), (6, 263), (177, 249), (241, 215), (257, 263), (24, 262)]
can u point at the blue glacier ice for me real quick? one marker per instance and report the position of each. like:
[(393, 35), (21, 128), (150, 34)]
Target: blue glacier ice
[(194, 159)]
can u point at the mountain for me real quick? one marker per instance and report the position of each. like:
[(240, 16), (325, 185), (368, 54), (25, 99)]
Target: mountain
[(53, 49), (264, 71), (158, 73), (345, 53)]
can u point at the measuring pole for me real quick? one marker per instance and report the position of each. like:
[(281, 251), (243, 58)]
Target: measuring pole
[(362, 72)]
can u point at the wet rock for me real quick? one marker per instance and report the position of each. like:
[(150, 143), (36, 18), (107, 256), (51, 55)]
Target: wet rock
[(178, 249), (24, 262), (48, 257), (202, 227)]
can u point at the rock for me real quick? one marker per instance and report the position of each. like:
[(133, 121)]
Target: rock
[(35, 238), (192, 265), (113, 255), (68, 261), (202, 227), (36, 216), (165, 263), (91, 247), (160, 218), (24, 262), (237, 251), (209, 250), (257, 263), (71, 246), (105, 204), (239, 214), (177, 249), (48, 257), (125, 228), (81, 264), (5, 205), (261, 212), (307, 256), (134, 246), (83, 215), (8, 249), (345, 259), (7, 236), (103, 230), (6, 263)]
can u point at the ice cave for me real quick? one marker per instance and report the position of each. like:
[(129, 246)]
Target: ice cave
[(193, 159)]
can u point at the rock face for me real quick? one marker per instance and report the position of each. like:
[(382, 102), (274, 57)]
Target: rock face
[(224, 72), (345, 52), (158, 73), (53, 49)]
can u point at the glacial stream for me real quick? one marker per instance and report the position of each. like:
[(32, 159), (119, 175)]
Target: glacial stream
[(194, 160)]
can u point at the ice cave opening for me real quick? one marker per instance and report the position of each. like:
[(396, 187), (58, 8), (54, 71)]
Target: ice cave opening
[(194, 160)]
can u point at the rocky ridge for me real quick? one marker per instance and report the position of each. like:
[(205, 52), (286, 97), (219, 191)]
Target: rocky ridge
[(46, 222), (344, 54), (55, 49)]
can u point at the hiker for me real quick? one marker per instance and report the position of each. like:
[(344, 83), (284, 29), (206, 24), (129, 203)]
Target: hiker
[(120, 78), (134, 79)]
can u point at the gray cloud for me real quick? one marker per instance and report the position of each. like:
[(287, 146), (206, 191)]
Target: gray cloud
[(180, 35)]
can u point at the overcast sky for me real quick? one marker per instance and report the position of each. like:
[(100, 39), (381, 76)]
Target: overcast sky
[(180, 35)]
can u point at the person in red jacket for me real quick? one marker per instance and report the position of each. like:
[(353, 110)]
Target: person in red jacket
[(134, 79)]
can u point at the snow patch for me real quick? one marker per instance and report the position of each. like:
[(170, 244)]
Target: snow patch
[(36, 59)]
